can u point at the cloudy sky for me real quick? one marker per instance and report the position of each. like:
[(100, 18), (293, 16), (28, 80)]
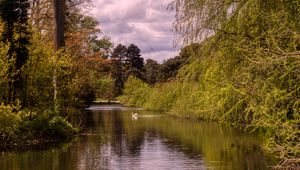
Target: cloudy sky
[(146, 23)]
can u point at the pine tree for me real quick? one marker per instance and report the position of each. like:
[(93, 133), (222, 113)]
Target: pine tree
[(134, 62), (14, 16)]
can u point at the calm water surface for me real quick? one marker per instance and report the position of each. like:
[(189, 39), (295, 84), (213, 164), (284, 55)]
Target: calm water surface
[(113, 140)]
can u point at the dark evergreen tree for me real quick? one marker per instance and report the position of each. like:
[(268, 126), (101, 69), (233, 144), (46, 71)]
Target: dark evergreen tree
[(134, 62), (119, 53), (134, 58), (14, 16), (126, 61), (152, 71), (118, 59)]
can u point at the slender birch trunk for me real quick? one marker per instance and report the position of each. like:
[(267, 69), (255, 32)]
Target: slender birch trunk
[(59, 30)]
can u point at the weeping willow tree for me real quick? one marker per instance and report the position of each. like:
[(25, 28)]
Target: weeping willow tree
[(248, 68), (198, 19)]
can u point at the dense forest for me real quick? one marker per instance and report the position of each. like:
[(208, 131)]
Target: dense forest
[(239, 64), (242, 68)]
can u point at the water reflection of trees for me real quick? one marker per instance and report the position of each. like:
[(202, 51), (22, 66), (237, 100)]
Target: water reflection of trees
[(221, 146), (112, 140)]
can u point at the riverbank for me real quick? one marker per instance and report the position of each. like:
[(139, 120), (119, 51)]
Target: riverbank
[(23, 128), (190, 100), (104, 101)]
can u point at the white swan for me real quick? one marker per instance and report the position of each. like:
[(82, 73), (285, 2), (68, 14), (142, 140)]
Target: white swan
[(134, 115)]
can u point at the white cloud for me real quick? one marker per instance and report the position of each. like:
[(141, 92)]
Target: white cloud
[(146, 23), (161, 56)]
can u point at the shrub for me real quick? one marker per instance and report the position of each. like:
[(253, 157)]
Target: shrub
[(61, 128), (163, 96), (18, 127), (46, 125), (9, 124), (135, 92)]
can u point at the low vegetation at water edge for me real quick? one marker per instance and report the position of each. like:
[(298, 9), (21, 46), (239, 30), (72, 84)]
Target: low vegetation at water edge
[(19, 128)]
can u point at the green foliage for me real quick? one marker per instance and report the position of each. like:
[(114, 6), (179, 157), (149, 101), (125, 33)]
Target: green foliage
[(152, 71), (34, 124), (162, 97), (103, 45), (39, 72), (85, 93), (169, 69), (134, 58), (126, 61), (189, 100), (246, 73), (18, 127), (260, 94), (28, 70), (248, 69), (4, 65), (104, 87), (135, 92), (15, 34), (9, 123), (60, 128)]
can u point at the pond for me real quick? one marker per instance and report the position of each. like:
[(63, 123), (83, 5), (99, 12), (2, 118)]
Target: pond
[(114, 140)]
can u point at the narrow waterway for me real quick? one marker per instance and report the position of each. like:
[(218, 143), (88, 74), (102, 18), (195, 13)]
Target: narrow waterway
[(114, 140)]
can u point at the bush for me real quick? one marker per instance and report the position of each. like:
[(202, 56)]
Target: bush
[(19, 127), (34, 124), (9, 124), (61, 128), (135, 92), (46, 125), (163, 96), (160, 98)]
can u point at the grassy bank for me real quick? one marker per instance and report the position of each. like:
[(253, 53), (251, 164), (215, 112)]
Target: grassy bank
[(266, 106)]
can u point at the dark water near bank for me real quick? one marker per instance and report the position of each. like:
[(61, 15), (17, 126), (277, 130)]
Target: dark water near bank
[(113, 140)]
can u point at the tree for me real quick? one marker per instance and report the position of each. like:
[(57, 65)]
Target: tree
[(249, 64), (198, 19), (126, 61), (190, 51), (81, 34), (119, 53), (14, 15), (169, 69), (152, 71), (59, 23), (134, 62), (59, 40), (117, 64), (103, 45), (133, 57)]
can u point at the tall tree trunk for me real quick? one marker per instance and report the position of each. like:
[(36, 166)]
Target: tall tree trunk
[(59, 23), (59, 30)]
